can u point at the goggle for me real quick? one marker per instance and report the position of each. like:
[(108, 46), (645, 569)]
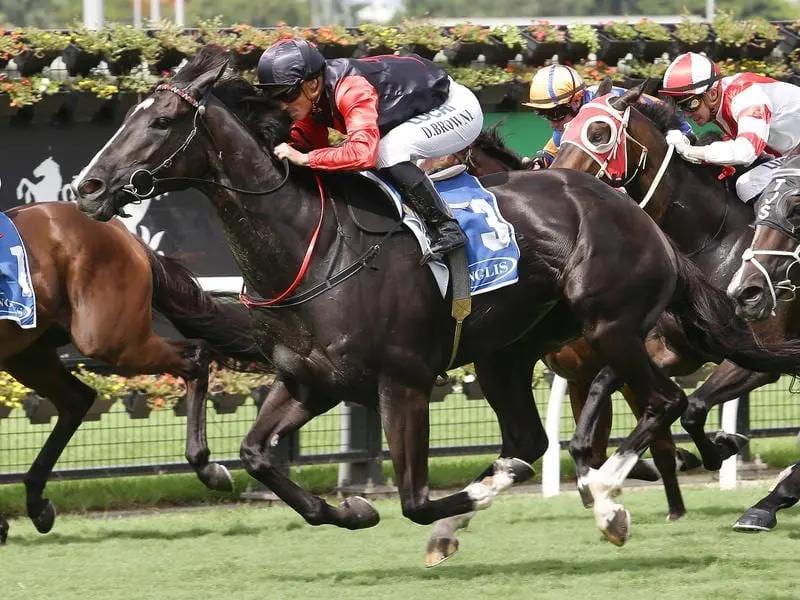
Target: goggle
[(691, 104), (557, 113), (289, 95)]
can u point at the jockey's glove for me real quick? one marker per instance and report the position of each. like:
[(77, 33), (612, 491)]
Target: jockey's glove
[(693, 154)]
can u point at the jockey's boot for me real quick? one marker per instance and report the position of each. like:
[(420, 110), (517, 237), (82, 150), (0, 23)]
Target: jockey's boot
[(421, 194)]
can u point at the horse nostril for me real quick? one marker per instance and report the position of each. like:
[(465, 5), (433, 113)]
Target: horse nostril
[(91, 187), (751, 294)]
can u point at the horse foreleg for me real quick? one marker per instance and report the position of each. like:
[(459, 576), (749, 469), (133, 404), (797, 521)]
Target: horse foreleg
[(663, 402), (506, 379), (597, 401), (785, 493), (39, 368), (283, 413), (728, 381), (195, 372)]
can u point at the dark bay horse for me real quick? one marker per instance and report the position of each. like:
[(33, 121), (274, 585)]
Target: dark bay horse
[(706, 220), (96, 285), (765, 284), (577, 363), (362, 321)]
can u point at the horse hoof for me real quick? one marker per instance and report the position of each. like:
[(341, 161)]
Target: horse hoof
[(674, 516), (3, 532), (216, 477), (755, 520), (618, 527), (686, 461), (586, 496), (439, 550), (360, 513), (44, 520), (729, 444), (520, 470)]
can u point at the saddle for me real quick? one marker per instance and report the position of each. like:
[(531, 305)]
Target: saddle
[(360, 193), (360, 190)]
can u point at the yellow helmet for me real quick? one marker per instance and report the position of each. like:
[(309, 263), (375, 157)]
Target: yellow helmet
[(553, 86)]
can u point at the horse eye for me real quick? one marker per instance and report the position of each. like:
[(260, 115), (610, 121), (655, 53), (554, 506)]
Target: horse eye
[(596, 137), (162, 123)]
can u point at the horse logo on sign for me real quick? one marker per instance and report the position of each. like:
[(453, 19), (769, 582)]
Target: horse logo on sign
[(48, 185)]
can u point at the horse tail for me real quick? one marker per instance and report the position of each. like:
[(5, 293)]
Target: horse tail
[(708, 320), (219, 318)]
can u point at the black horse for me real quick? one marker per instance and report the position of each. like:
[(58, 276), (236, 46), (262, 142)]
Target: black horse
[(371, 327), (704, 218), (766, 284)]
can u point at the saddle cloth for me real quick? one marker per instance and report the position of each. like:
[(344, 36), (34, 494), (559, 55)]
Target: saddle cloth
[(17, 298), (492, 250)]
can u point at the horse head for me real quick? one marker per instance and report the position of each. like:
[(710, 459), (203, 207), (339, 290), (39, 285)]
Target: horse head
[(169, 134), (610, 140), (766, 275)]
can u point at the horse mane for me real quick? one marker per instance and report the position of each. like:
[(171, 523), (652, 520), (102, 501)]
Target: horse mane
[(259, 113), (491, 142), (664, 116)]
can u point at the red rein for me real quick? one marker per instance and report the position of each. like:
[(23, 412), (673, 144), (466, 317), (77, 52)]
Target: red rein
[(303, 267)]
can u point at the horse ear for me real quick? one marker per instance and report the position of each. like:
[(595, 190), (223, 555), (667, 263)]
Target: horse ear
[(207, 80), (605, 86), (628, 98), (650, 86)]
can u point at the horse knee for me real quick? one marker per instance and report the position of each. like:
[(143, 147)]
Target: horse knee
[(253, 458), (694, 417)]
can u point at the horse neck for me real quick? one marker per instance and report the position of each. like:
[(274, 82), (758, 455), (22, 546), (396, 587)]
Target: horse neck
[(485, 163), (272, 229), (699, 216)]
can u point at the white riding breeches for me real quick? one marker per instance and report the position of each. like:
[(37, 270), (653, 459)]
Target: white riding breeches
[(446, 129), (751, 183)]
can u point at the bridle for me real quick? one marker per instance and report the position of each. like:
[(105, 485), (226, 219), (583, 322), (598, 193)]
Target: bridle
[(608, 155), (776, 197), (143, 182)]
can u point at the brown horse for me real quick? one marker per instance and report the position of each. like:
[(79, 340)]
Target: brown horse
[(577, 363), (96, 285)]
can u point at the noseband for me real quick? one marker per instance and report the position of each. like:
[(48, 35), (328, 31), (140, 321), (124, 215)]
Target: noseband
[(143, 182)]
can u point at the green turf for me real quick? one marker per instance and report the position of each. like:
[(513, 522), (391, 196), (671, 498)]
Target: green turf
[(522, 547)]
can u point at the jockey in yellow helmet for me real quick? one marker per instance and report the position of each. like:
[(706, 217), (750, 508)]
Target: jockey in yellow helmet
[(557, 93)]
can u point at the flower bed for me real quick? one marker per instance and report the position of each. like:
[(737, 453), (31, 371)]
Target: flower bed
[(119, 59)]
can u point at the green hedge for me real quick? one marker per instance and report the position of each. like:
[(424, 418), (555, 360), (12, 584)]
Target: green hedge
[(136, 59)]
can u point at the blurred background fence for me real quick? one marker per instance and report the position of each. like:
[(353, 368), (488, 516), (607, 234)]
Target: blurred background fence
[(461, 423)]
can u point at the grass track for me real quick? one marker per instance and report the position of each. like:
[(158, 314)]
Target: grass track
[(522, 547)]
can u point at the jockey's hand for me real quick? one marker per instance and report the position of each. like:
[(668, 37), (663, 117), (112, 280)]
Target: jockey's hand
[(693, 154), (294, 156)]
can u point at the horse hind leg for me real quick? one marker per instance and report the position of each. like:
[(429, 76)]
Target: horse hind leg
[(283, 412), (39, 368), (506, 380)]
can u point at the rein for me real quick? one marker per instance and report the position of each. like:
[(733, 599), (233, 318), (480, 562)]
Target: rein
[(144, 178)]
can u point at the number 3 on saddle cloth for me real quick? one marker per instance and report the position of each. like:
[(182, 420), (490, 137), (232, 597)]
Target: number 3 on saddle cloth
[(17, 298), (492, 251)]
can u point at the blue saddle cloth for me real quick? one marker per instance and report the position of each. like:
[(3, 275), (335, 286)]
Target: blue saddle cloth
[(17, 298), (492, 251)]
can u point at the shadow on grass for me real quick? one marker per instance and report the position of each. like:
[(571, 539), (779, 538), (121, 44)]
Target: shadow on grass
[(110, 534), (549, 567)]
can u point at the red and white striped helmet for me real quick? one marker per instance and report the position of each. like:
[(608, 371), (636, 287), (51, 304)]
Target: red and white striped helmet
[(690, 74)]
